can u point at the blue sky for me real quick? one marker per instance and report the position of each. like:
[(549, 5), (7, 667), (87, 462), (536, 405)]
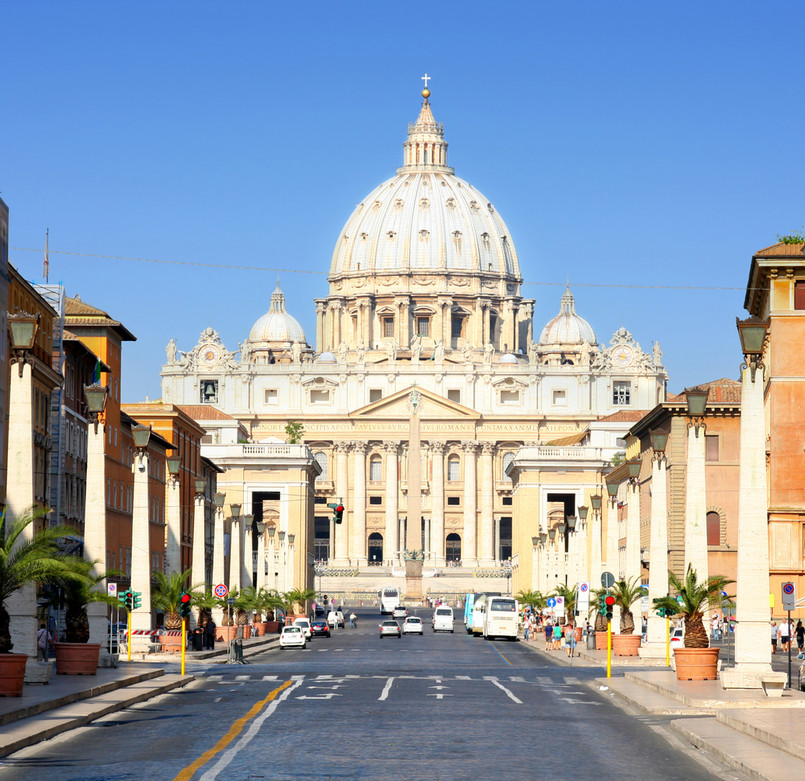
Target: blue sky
[(631, 147)]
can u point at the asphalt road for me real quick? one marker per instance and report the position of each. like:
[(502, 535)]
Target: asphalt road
[(433, 708)]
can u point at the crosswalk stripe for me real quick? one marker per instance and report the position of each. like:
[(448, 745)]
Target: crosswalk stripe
[(516, 679), (269, 677)]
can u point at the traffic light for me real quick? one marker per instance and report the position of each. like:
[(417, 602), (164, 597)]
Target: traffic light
[(338, 513), (122, 599), (128, 599), (602, 605), (184, 605), (137, 599), (610, 603)]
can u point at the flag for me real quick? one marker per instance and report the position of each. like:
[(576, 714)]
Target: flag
[(97, 376), (46, 263)]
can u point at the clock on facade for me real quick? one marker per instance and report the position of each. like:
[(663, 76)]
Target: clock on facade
[(622, 356), (210, 354)]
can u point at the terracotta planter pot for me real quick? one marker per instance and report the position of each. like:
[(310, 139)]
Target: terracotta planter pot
[(696, 664), (600, 640), (625, 645), (272, 627), (226, 633), (12, 674), (578, 634), (258, 630), (171, 644), (247, 631), (77, 658)]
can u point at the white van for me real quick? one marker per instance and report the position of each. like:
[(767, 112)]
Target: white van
[(442, 619)]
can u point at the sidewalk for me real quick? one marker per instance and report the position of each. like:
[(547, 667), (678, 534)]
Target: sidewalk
[(72, 701)]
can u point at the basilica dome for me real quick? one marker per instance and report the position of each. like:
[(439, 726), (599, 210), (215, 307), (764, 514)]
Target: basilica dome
[(567, 327), (276, 326), (425, 218)]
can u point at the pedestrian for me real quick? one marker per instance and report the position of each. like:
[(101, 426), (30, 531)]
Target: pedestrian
[(209, 634), (352, 618), (800, 635), (43, 641), (557, 636), (526, 627), (716, 627), (644, 628), (774, 631), (784, 636), (548, 635), (570, 639)]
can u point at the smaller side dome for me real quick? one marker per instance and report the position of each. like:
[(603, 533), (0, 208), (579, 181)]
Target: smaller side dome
[(276, 328), (567, 327), (508, 358), (325, 357)]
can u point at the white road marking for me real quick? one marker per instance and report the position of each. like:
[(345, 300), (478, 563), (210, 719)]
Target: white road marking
[(578, 702), (508, 693), (385, 693), (327, 696), (440, 696), (438, 687), (237, 747), (516, 679), (490, 677), (572, 680), (218, 699), (297, 678), (243, 677), (336, 686), (269, 677), (463, 678), (215, 677), (320, 677)]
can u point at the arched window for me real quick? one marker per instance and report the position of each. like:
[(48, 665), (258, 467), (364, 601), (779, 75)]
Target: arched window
[(713, 528), (321, 460), (375, 548), (507, 459), (453, 468), (453, 548), (375, 468)]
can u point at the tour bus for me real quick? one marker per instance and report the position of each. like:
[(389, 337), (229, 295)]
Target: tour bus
[(500, 617), (388, 598), (474, 620)]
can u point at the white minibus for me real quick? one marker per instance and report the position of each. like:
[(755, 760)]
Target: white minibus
[(500, 618)]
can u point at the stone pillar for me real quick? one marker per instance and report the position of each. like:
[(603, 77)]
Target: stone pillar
[(218, 574), (612, 539), (173, 532), (581, 550), (336, 311), (391, 541), (357, 546), (486, 543), (596, 564), (658, 552), (261, 561), (468, 543), (696, 503), (752, 646), (95, 526), (320, 310), (342, 490), (632, 564), (246, 555), (199, 542), (235, 555), (272, 564), (413, 529), (437, 542), (140, 544)]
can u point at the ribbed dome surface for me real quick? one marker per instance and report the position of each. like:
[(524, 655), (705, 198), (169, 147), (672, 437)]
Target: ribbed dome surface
[(277, 325), (567, 327)]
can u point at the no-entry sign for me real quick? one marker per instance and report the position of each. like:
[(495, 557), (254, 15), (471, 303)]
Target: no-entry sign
[(221, 591)]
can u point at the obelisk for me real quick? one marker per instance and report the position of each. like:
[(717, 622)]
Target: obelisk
[(413, 527)]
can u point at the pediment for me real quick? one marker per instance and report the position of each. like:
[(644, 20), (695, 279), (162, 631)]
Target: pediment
[(431, 406)]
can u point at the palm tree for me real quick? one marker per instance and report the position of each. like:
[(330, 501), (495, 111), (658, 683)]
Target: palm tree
[(595, 601), (694, 596), (167, 595), (569, 595), (205, 601), (626, 593), (536, 600), (78, 594), (299, 597), (35, 561)]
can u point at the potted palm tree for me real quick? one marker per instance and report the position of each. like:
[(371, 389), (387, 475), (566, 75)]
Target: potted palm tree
[(600, 624), (626, 593), (24, 562), (75, 655), (166, 598), (204, 601), (270, 600), (297, 600), (696, 660)]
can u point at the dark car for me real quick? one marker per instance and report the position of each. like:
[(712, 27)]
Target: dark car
[(320, 628)]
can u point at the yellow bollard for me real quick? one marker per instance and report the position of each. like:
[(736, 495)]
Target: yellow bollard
[(184, 641), (668, 641), (128, 639), (609, 648)]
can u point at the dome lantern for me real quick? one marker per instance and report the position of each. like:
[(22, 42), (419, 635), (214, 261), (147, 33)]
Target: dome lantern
[(567, 327), (425, 149)]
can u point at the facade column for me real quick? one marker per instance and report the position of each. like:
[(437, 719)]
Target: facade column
[(696, 502), (336, 310), (342, 490), (632, 563), (173, 517), (658, 552), (198, 564), (596, 563), (486, 543), (218, 572), (390, 543), (752, 646), (320, 310), (437, 542), (95, 525), (612, 539), (271, 580), (246, 552), (261, 560), (235, 555), (357, 546), (468, 543), (140, 544)]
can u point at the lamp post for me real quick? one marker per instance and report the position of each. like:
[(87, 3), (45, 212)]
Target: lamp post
[(632, 560), (553, 560), (218, 562), (535, 568), (658, 541), (247, 578), (318, 569), (291, 553), (695, 487), (581, 543), (752, 647), (613, 553), (141, 618), (561, 546), (173, 506), (260, 582), (235, 548), (199, 569), (272, 557), (572, 569), (596, 556)]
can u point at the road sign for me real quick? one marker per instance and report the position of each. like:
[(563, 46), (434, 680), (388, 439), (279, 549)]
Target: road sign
[(607, 579), (551, 603), (230, 601), (221, 591), (560, 605), (789, 596), (111, 589), (583, 599)]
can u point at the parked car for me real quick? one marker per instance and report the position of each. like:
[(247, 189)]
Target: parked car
[(399, 612), (320, 628), (304, 623), (292, 637), (412, 625), (677, 637), (335, 618), (390, 629)]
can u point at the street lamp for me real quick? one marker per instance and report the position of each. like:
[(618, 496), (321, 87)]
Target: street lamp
[(235, 509), (659, 440), (23, 327), (291, 538), (174, 464), (200, 485), (95, 396), (218, 500), (612, 490), (142, 435), (271, 531), (595, 501), (583, 513), (571, 523), (634, 469), (752, 333)]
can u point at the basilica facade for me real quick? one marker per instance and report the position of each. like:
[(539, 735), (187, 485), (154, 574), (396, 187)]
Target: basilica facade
[(425, 308)]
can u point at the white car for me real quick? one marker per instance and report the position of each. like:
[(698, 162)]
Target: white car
[(305, 625), (442, 620), (412, 625), (677, 637), (335, 618), (292, 637), (399, 612)]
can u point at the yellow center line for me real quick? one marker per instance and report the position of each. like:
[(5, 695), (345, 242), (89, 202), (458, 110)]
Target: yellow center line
[(234, 731)]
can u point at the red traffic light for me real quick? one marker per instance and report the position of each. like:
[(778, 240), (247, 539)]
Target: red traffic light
[(610, 600), (185, 598), (340, 509)]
